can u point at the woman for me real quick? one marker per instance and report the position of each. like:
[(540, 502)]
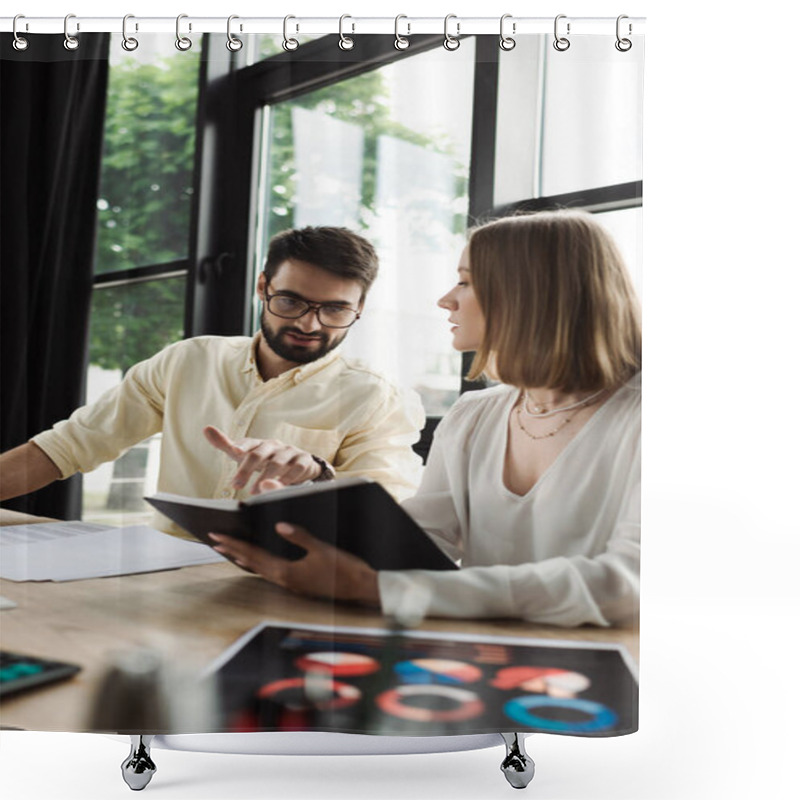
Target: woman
[(534, 483)]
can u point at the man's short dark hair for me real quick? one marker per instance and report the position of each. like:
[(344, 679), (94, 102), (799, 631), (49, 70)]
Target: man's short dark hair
[(336, 250)]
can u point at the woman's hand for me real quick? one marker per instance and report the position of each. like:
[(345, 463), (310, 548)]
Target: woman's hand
[(325, 571), (273, 462)]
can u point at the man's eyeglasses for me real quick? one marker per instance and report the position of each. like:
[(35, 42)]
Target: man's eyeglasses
[(330, 315)]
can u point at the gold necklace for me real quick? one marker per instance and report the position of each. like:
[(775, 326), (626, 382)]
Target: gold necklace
[(544, 435), (540, 410)]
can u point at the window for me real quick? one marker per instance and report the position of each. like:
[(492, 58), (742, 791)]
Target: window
[(625, 226), (377, 155), (587, 137), (142, 246), (591, 131), (409, 148), (575, 107), (412, 152)]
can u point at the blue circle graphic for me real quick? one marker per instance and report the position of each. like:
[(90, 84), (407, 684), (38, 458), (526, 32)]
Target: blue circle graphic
[(519, 708)]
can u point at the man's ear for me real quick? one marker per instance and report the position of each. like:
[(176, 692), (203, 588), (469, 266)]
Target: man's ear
[(261, 286)]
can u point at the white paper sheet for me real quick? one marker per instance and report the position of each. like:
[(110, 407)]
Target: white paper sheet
[(43, 531), (76, 551)]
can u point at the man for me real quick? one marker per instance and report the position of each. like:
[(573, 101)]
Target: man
[(295, 409)]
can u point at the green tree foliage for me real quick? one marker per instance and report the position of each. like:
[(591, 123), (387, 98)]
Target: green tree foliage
[(144, 205), (146, 186)]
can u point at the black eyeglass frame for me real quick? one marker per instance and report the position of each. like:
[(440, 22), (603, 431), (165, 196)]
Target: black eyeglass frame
[(309, 306)]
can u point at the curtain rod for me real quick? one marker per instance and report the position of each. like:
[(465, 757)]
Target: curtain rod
[(406, 25)]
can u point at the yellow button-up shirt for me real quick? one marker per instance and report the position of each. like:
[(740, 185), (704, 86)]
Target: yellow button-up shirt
[(334, 408)]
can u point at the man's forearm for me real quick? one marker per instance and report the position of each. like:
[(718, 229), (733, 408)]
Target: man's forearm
[(25, 469)]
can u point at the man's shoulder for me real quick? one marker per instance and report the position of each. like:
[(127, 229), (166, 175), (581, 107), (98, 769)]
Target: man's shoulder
[(200, 346), (209, 342), (360, 373), (371, 388), (193, 354)]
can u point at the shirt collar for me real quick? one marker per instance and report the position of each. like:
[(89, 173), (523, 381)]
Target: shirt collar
[(296, 374)]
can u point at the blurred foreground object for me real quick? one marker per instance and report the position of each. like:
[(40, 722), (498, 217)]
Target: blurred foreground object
[(143, 696)]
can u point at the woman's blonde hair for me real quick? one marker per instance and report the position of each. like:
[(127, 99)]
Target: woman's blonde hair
[(559, 306)]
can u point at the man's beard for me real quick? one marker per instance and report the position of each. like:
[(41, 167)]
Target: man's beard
[(295, 353)]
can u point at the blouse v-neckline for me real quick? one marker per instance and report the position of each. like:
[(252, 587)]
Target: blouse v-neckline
[(507, 410)]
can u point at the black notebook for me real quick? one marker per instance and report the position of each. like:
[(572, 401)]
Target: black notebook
[(354, 514)]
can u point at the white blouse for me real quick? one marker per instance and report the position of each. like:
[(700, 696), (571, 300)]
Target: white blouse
[(565, 553)]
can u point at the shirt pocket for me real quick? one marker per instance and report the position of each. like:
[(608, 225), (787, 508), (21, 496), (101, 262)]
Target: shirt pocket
[(319, 442)]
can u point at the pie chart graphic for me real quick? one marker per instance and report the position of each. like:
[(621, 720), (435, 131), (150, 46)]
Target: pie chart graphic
[(294, 694), (340, 664), (560, 715), (544, 680), (437, 671), (431, 703)]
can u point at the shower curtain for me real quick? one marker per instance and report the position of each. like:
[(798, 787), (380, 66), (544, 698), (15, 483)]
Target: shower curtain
[(138, 207)]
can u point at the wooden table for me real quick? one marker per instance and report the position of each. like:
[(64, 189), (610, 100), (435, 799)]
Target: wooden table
[(191, 614)]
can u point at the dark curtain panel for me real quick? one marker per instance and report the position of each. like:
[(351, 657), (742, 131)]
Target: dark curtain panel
[(52, 105)]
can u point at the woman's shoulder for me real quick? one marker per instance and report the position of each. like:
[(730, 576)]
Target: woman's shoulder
[(483, 400), (634, 383), (629, 396), (621, 417), (474, 406)]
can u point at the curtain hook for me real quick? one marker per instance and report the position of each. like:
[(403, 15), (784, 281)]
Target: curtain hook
[(70, 42), (20, 43), (623, 45), (289, 43), (233, 44), (451, 42), (345, 42), (183, 43), (128, 42), (507, 42), (561, 43), (401, 42)]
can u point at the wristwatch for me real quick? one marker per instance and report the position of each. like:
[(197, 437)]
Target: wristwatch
[(327, 473)]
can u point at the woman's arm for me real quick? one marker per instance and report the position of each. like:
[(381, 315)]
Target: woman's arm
[(569, 590), (559, 591), (325, 571), (566, 591)]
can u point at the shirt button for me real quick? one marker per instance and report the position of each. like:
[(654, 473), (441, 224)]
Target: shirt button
[(226, 493)]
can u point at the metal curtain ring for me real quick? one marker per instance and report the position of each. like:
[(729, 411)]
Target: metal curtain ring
[(20, 42), (345, 42), (288, 42), (401, 42), (183, 43), (507, 42), (70, 42), (451, 42), (623, 45), (233, 44), (128, 42), (561, 43)]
